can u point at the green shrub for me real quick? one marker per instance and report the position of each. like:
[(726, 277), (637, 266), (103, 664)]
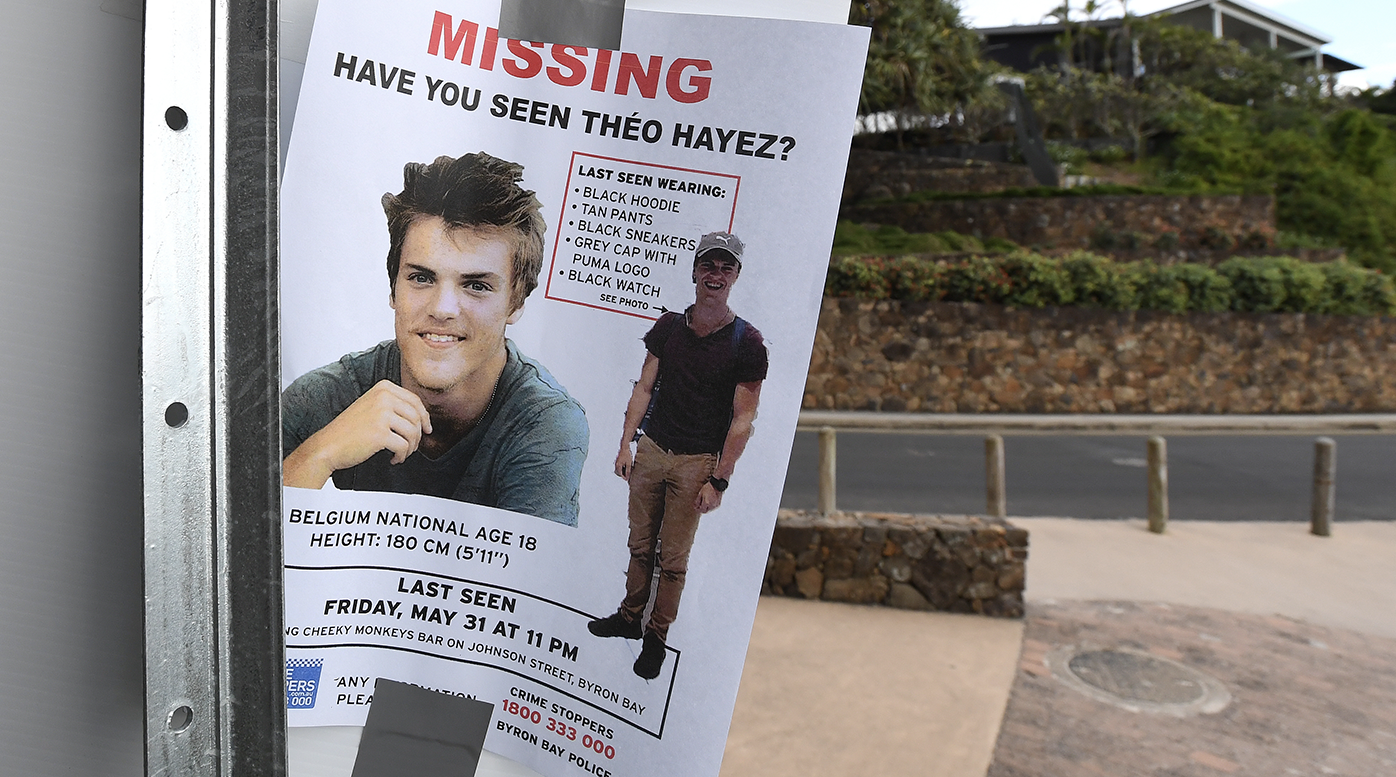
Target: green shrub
[(1074, 158), (1157, 290), (853, 239), (1208, 291), (1380, 294), (1293, 241), (1256, 286), (1035, 281), (976, 279), (1353, 291), (1180, 288), (858, 277), (959, 243), (1275, 284), (1333, 174), (916, 280), (895, 240), (1304, 286), (1025, 279), (1110, 155), (1098, 282)]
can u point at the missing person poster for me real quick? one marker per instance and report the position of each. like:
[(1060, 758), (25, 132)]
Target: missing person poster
[(546, 318)]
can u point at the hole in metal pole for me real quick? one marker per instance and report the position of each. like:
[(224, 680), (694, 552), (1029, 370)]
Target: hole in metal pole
[(176, 118), (180, 718), (176, 414)]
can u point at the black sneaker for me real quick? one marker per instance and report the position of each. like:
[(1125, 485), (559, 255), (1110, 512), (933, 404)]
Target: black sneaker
[(615, 625), (651, 657)]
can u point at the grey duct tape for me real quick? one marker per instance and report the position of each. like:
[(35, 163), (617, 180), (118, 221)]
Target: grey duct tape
[(591, 23), (411, 730)]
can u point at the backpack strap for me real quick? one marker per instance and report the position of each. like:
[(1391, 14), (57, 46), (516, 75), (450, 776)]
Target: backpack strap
[(738, 332)]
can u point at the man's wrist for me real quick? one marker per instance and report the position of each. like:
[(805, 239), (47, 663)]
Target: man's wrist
[(719, 484), (306, 468)]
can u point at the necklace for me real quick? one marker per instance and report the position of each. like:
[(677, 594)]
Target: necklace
[(488, 404), (438, 445), (468, 429), (729, 318)]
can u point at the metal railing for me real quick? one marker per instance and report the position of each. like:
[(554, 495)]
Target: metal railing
[(829, 422)]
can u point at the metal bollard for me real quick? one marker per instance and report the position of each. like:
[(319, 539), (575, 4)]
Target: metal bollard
[(995, 491), (1158, 485), (827, 469), (1325, 492)]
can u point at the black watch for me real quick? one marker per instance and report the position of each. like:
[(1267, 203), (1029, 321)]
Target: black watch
[(718, 484)]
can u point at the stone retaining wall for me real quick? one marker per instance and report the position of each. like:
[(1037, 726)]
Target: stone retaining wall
[(970, 358), (963, 564), (875, 175), (1222, 222)]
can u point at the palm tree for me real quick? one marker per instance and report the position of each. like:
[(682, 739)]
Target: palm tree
[(1066, 47), (922, 59)]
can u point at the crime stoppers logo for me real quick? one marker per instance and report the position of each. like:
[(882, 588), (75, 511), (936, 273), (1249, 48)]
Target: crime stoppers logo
[(302, 682)]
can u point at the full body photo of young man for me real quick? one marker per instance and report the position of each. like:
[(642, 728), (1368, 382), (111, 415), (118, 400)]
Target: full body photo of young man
[(697, 398)]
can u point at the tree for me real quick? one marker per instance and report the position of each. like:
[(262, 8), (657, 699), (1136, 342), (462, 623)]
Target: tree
[(1380, 100), (1223, 70), (922, 60), (1137, 109)]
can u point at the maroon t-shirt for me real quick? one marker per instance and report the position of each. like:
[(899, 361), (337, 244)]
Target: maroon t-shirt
[(698, 377)]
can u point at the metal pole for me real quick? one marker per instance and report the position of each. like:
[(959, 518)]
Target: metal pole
[(1158, 485), (1325, 494), (995, 491), (828, 449), (214, 652)]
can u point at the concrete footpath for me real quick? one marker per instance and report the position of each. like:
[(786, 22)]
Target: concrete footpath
[(833, 689), (1346, 581), (836, 689)]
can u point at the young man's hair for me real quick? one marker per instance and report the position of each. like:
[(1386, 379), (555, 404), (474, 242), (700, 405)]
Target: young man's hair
[(472, 192)]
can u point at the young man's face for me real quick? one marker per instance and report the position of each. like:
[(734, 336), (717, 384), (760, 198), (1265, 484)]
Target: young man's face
[(451, 303), (714, 273)]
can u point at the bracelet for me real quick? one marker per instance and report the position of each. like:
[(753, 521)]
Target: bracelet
[(718, 484)]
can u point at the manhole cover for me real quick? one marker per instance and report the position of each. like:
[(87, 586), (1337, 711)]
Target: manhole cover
[(1138, 681), (1136, 677)]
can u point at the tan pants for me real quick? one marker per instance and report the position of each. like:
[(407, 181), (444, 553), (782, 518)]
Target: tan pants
[(663, 507)]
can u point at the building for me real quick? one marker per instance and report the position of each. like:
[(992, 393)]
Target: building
[(1024, 47)]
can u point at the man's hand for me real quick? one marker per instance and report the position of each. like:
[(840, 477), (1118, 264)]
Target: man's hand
[(709, 499), (625, 462), (386, 417), (640, 398)]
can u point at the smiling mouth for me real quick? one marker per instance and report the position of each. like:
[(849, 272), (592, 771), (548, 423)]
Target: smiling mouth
[(433, 337), (714, 285)]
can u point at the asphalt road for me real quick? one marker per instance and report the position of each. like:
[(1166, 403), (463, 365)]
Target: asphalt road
[(1252, 478)]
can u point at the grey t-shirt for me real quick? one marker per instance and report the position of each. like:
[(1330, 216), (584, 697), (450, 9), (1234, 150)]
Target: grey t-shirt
[(525, 454)]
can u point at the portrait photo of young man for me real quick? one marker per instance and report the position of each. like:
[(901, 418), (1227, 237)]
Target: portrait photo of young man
[(449, 407), (695, 404)]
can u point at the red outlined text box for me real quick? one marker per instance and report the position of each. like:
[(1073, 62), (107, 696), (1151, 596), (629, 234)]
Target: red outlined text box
[(627, 230)]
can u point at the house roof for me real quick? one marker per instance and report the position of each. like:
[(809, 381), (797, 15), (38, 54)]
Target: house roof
[(1338, 64), (1294, 36), (1030, 29), (1243, 8)]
